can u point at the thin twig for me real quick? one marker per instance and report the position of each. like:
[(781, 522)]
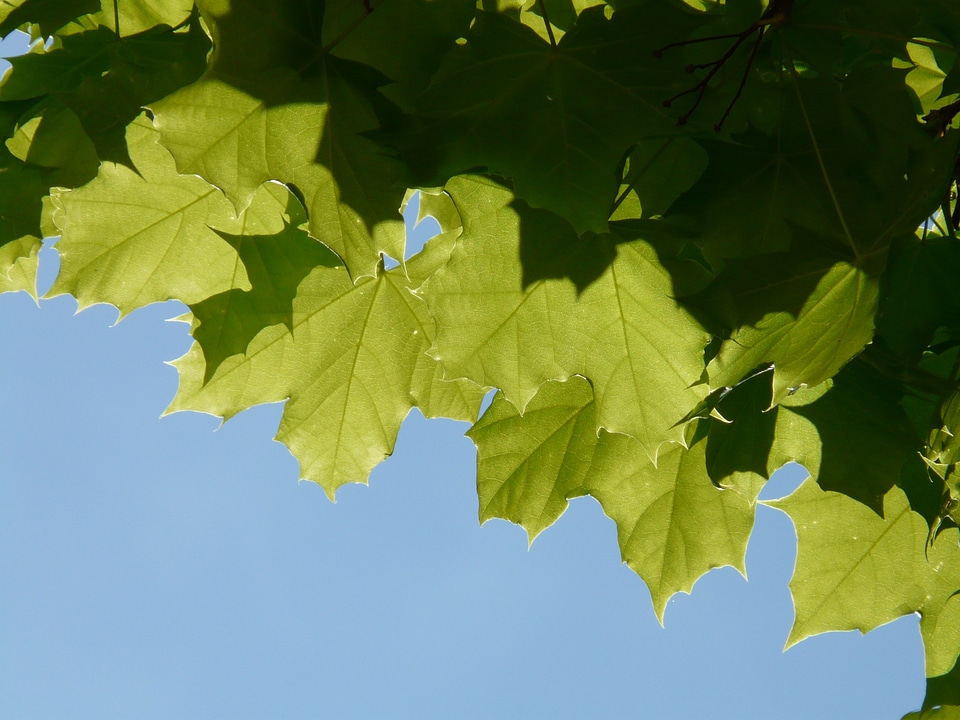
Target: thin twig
[(546, 22), (658, 53), (776, 15), (701, 87), (116, 17), (743, 81)]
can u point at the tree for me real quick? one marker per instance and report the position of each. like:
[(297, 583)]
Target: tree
[(686, 242)]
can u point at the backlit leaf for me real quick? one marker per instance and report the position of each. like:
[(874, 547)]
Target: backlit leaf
[(353, 365), (274, 105), (275, 266), (804, 314), (132, 237), (673, 525), (856, 570), (686, 241), (639, 348)]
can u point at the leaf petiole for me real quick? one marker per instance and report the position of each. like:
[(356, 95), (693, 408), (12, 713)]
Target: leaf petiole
[(546, 22)]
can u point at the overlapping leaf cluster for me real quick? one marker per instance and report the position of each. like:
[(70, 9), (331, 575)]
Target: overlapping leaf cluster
[(686, 242)]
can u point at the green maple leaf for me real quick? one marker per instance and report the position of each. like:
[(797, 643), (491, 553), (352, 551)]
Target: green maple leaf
[(132, 237), (673, 525), (562, 14), (21, 193), (275, 265), (144, 67), (641, 351), (805, 314), (54, 138), (789, 235), (275, 105), (856, 570), (22, 189), (49, 15), (851, 434), (926, 77), (847, 161), (70, 109), (530, 465), (106, 80), (62, 68), (943, 712), (405, 40), (865, 435), (741, 434), (19, 260), (353, 365), (137, 17), (742, 213), (509, 102), (778, 304), (659, 171)]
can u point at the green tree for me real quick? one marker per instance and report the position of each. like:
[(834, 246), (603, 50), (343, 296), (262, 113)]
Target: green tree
[(687, 242)]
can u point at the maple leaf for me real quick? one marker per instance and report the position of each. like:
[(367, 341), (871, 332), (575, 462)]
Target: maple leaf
[(275, 266), (132, 237), (639, 348), (687, 243), (673, 525), (49, 15), (352, 361), (275, 105), (856, 570), (509, 102)]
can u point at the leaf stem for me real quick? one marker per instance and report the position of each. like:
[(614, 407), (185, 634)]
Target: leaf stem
[(546, 22), (116, 18)]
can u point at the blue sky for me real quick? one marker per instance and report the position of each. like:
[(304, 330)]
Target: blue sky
[(165, 568)]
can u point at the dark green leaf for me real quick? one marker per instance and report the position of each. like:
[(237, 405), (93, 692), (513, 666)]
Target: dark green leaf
[(49, 15), (510, 103)]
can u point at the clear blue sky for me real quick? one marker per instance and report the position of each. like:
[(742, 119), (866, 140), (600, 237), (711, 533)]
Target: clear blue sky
[(162, 568)]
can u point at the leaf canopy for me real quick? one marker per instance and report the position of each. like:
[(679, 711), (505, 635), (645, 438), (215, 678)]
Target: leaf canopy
[(686, 242)]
